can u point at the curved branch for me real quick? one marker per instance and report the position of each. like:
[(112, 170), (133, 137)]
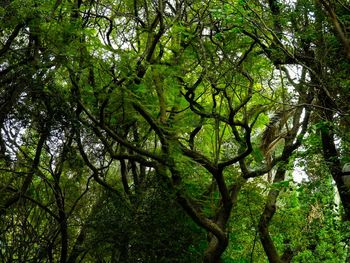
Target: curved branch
[(13, 35), (244, 154), (120, 139), (201, 220)]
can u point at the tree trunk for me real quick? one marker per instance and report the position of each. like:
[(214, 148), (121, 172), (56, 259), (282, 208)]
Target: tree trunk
[(269, 211), (214, 250), (331, 154)]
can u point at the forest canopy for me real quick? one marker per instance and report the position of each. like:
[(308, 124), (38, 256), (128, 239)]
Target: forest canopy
[(174, 131)]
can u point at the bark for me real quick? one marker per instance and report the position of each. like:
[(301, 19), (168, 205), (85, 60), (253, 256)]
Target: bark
[(214, 251), (331, 156), (339, 28), (270, 206), (265, 219), (218, 239), (124, 174), (62, 220), (328, 108)]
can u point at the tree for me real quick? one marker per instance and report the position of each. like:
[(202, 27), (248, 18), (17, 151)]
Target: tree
[(136, 107)]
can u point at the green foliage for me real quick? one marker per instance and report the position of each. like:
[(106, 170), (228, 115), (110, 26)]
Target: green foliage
[(154, 230), (113, 112)]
